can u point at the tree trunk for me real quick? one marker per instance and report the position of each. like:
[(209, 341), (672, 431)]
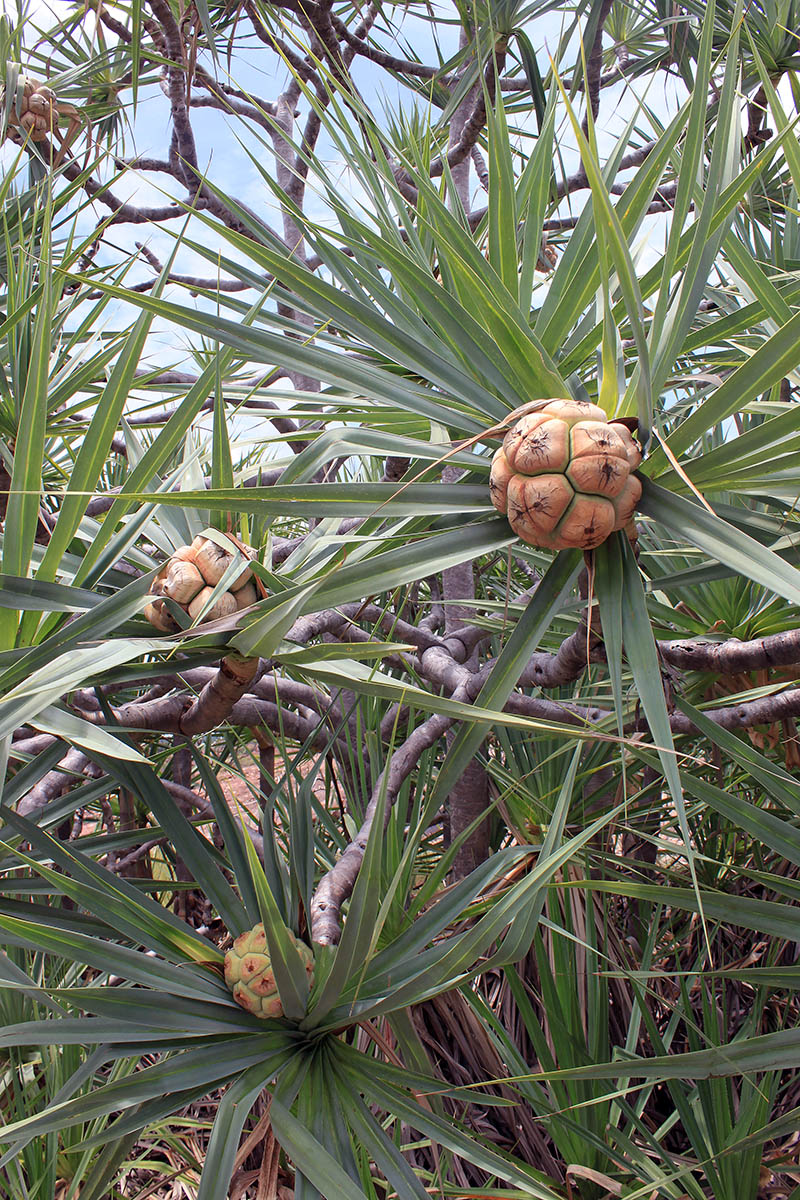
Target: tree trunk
[(470, 795)]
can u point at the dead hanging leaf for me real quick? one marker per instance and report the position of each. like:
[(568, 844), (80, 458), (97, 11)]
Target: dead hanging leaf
[(791, 745), (578, 1172)]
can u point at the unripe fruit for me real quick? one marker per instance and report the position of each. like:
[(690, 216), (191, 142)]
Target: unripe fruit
[(40, 101), (156, 613), (249, 974), (563, 475), (39, 110)]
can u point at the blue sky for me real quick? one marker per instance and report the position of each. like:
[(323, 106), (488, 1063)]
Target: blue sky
[(221, 143)]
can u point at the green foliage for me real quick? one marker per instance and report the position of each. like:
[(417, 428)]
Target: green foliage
[(604, 1003)]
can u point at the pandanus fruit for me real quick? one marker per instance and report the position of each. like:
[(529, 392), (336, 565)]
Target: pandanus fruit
[(249, 974), (564, 475), (190, 577)]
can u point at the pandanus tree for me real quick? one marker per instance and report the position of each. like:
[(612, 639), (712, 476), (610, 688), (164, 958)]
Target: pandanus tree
[(399, 621)]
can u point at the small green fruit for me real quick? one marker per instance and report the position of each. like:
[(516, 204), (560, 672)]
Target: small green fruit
[(249, 974)]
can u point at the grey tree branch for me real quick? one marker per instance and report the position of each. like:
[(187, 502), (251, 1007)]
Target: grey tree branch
[(766, 710), (594, 65), (72, 766), (218, 698), (303, 67), (732, 656)]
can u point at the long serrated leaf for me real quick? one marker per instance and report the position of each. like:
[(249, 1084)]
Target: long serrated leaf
[(140, 1115), (720, 540), (262, 636), (335, 499), (11, 974), (533, 194), (202, 1066), (40, 596), (692, 157), (769, 1052), (22, 513), (763, 916), (221, 460), (105, 956), (361, 678), (95, 445), (452, 960), (608, 563), (574, 280), (232, 838), (223, 1144), (771, 776), (448, 1134), (380, 1147), (311, 1158), (623, 263), (65, 673), (125, 917), (502, 216), (141, 1006), (83, 1031), (260, 345), (135, 909), (141, 779), (642, 655), (705, 246), (531, 68), (766, 828), (109, 613), (357, 942), (385, 570), (584, 340), (70, 728), (775, 358)]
